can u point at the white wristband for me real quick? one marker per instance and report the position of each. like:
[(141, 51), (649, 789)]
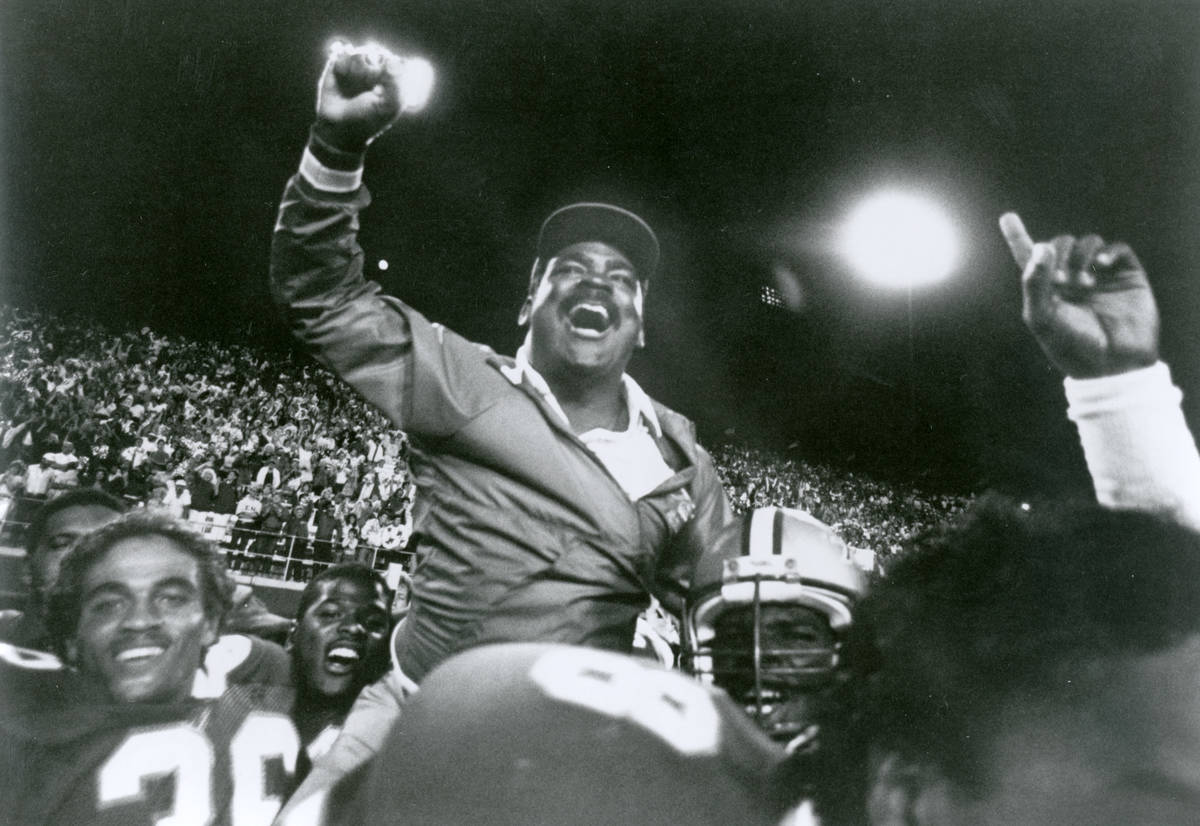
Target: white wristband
[(326, 179)]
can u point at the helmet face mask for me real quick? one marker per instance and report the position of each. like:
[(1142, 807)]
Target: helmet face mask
[(773, 658), (766, 626)]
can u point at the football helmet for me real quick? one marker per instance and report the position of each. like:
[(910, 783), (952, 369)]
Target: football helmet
[(768, 609)]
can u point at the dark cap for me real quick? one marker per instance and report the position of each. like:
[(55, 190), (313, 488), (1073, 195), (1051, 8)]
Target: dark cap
[(619, 228)]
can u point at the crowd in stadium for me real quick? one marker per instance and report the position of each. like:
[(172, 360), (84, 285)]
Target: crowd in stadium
[(198, 427), (208, 427), (866, 512)]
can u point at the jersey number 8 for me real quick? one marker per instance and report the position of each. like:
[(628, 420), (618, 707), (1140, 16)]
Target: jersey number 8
[(673, 708)]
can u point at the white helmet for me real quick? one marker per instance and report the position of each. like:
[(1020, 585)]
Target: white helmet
[(742, 631)]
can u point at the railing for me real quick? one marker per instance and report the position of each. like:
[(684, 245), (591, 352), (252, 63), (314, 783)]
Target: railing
[(247, 551)]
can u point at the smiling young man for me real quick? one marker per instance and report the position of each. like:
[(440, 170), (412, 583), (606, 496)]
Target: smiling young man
[(555, 496), (339, 644), (142, 623), (137, 604)]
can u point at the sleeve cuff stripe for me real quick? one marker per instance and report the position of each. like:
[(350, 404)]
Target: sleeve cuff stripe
[(324, 178)]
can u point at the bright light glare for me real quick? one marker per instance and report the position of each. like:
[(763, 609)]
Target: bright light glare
[(897, 239), (383, 264), (416, 84)]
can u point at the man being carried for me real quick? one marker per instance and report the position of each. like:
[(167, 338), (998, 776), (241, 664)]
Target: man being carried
[(555, 495)]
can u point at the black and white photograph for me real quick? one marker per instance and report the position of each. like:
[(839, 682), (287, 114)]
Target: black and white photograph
[(599, 413)]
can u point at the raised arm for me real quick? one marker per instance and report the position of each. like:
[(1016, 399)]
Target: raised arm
[(316, 268), (1089, 305)]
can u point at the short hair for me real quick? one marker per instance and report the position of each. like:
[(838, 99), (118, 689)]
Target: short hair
[(1005, 606), (79, 497), (66, 598), (355, 572)]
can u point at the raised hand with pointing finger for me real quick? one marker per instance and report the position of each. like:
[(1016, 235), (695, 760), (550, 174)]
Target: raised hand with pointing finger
[(1087, 302), (1089, 305)]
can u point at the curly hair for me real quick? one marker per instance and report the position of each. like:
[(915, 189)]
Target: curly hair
[(1014, 603), (66, 598)]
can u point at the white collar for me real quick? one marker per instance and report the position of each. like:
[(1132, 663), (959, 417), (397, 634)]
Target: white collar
[(639, 405)]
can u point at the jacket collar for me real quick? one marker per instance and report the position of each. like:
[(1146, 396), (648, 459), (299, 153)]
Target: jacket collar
[(641, 407)]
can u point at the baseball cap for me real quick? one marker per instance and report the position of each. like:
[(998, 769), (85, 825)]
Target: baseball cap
[(608, 224)]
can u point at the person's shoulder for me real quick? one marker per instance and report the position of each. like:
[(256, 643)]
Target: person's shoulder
[(242, 659), (30, 680), (21, 628)]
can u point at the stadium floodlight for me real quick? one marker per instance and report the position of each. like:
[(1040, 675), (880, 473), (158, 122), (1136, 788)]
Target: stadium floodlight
[(899, 239)]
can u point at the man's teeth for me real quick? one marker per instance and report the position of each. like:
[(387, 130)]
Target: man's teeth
[(343, 653), (590, 316), (139, 653)]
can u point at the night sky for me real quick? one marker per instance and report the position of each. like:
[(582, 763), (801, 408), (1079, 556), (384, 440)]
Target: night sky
[(146, 143)]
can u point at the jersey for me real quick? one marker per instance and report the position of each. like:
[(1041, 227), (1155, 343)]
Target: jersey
[(224, 761), (242, 659), (529, 733)]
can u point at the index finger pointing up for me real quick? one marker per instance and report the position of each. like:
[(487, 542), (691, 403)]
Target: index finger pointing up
[(1019, 242)]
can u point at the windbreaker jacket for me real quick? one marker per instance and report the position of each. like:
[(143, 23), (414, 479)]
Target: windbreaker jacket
[(521, 532)]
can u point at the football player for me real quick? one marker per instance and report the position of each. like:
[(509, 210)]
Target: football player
[(124, 741), (769, 611), (339, 644), (59, 523), (55, 527)]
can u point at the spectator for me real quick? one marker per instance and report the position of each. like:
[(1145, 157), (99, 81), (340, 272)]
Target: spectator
[(176, 498), (226, 499), (249, 512), (350, 538), (296, 531), (270, 534), (202, 492), (14, 503), (62, 467), (325, 529), (268, 473)]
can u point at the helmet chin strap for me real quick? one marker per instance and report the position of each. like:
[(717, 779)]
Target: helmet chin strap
[(758, 691)]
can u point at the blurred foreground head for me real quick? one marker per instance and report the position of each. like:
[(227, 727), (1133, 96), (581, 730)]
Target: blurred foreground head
[(1029, 665)]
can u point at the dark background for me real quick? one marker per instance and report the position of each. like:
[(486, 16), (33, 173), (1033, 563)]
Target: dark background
[(145, 144)]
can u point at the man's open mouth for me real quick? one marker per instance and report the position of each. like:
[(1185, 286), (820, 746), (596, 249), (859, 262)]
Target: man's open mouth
[(590, 318), (141, 654), (341, 659)]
